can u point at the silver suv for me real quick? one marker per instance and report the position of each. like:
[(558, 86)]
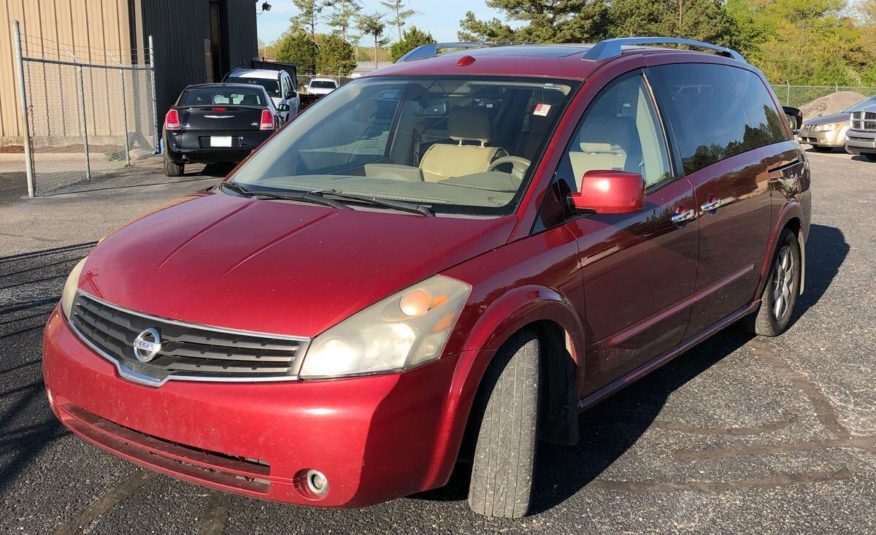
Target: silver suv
[(278, 84)]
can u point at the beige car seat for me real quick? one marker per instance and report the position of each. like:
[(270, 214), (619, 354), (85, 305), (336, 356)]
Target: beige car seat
[(446, 160), (602, 147)]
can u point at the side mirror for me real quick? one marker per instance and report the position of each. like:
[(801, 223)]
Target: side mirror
[(794, 117), (283, 107), (610, 192)]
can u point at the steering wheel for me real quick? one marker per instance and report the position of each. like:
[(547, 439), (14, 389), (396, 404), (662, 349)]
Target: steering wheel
[(520, 165)]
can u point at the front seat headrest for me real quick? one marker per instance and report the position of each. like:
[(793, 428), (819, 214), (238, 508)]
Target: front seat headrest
[(250, 100), (469, 124)]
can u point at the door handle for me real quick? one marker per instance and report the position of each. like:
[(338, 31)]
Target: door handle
[(683, 216), (711, 205)]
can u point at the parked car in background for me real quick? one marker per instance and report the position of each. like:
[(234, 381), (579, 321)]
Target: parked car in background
[(445, 261), (321, 86), (861, 135), (829, 132), (217, 123), (278, 83)]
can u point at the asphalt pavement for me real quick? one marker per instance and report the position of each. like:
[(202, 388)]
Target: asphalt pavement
[(740, 434)]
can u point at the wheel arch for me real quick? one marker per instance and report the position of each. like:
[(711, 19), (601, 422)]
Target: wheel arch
[(557, 325), (790, 217)]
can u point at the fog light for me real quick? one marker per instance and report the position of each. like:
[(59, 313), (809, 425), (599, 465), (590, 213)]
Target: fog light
[(317, 482)]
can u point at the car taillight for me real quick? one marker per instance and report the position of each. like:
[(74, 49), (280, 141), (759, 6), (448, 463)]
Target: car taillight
[(171, 120), (267, 122)]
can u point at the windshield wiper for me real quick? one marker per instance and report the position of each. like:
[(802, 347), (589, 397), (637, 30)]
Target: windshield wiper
[(374, 201), (235, 187), (297, 195)]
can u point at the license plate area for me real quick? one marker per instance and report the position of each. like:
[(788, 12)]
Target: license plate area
[(220, 141)]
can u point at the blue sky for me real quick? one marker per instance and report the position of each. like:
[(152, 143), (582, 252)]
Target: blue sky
[(440, 17)]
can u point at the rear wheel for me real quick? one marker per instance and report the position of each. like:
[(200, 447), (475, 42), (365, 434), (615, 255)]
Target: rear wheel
[(781, 289), (504, 458), (172, 168)]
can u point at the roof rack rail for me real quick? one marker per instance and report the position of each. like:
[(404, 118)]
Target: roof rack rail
[(610, 48), (433, 49)]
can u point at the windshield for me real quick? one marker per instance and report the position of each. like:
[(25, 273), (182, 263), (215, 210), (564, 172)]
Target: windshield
[(271, 86), (456, 145), (860, 105), (323, 84), (238, 96)]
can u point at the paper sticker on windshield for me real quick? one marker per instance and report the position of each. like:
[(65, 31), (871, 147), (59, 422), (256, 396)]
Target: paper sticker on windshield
[(542, 110)]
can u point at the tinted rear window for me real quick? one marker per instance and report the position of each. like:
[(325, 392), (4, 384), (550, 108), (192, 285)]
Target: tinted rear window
[(716, 111), (271, 86), (239, 96), (763, 117), (319, 84)]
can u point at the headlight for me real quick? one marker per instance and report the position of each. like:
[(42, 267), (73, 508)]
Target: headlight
[(70, 288), (825, 127), (402, 331)]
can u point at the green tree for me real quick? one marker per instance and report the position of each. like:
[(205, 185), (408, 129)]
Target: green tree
[(296, 47), (493, 30), (308, 16), (540, 21), (335, 57), (342, 16), (705, 20), (803, 41), (373, 26), (410, 40), (399, 13)]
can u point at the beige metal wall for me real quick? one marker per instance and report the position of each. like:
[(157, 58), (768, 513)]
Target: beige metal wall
[(96, 31)]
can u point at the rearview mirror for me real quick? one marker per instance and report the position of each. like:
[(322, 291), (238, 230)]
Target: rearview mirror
[(610, 192)]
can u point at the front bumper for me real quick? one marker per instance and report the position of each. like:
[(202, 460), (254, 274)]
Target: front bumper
[(828, 138), (375, 438), (861, 142)]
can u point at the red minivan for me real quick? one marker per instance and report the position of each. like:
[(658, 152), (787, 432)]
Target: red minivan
[(447, 259)]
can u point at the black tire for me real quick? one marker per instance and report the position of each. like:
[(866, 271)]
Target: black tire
[(781, 289), (504, 458), (869, 156), (817, 148), (172, 168)]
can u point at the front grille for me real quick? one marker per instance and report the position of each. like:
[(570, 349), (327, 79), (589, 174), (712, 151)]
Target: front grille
[(863, 120), (188, 352)]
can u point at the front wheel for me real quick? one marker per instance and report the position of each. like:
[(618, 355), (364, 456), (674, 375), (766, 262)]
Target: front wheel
[(781, 289), (869, 156), (504, 458)]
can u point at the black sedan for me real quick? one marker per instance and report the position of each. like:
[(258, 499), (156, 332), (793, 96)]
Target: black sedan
[(217, 123)]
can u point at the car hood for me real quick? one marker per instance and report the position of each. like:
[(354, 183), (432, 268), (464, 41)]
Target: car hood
[(828, 119), (276, 267)]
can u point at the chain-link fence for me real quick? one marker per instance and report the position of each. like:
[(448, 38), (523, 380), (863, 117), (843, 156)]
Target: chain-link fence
[(87, 112), (798, 95)]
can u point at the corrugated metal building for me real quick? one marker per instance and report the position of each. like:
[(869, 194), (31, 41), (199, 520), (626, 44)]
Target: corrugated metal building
[(195, 41)]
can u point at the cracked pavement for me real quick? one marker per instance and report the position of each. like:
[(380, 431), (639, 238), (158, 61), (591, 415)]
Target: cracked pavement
[(739, 434)]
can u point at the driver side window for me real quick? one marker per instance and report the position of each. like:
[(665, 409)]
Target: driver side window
[(620, 131)]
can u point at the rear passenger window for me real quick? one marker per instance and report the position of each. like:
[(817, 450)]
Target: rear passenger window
[(716, 111), (765, 123)]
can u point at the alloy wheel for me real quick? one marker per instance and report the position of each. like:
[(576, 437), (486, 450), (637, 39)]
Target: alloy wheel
[(783, 283)]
